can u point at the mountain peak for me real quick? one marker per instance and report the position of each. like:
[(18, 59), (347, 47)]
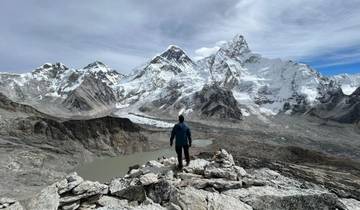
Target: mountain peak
[(237, 46), (175, 53), (56, 65), (50, 69), (95, 64)]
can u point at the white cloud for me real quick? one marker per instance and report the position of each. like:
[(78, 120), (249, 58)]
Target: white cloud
[(294, 29), (205, 51), (130, 32)]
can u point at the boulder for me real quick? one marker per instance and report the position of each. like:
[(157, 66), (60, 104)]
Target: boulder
[(191, 199), (153, 206), (240, 171), (196, 166), (90, 188), (154, 163), (119, 184), (85, 189), (168, 161), (161, 192), (148, 179), (269, 197), (134, 173), (224, 159), (130, 189), (220, 201), (188, 176), (351, 204), (10, 204), (47, 199), (70, 182), (112, 202), (216, 184), (71, 206), (211, 171)]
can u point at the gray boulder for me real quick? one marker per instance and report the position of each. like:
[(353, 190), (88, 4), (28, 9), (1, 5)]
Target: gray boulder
[(131, 190), (196, 166), (148, 179), (161, 192), (269, 197), (47, 199), (112, 202), (212, 171), (10, 204)]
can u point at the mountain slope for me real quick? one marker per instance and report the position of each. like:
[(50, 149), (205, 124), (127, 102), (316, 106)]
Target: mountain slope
[(169, 83), (55, 88), (339, 107), (348, 82)]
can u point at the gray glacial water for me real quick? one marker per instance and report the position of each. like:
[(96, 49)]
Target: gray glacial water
[(104, 170)]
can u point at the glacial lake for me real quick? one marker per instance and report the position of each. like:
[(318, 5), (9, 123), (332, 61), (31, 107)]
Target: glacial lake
[(103, 170)]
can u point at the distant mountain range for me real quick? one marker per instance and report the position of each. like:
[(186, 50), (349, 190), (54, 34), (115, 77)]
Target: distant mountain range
[(230, 84)]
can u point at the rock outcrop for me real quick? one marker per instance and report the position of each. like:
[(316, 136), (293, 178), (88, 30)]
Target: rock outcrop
[(216, 183), (92, 94), (9, 105), (339, 107), (214, 101)]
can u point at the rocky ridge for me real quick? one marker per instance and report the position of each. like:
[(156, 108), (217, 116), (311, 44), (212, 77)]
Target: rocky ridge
[(348, 82), (55, 88), (216, 183), (339, 107)]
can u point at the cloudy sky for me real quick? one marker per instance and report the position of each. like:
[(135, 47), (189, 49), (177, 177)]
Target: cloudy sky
[(126, 33)]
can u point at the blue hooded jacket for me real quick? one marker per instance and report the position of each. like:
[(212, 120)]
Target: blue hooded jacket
[(182, 134)]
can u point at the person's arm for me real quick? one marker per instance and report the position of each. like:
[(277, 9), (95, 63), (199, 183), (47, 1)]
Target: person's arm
[(172, 136), (188, 134)]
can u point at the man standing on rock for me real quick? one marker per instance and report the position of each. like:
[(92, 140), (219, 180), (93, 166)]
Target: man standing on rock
[(183, 140)]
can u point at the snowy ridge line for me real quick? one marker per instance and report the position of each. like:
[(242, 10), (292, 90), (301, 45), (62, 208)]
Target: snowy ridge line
[(170, 81)]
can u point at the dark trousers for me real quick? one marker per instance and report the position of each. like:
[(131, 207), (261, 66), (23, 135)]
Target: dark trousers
[(179, 154)]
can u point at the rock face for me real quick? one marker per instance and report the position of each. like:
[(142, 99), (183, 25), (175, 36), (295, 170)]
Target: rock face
[(348, 82), (9, 105), (98, 135), (339, 107), (92, 94), (213, 101), (158, 185)]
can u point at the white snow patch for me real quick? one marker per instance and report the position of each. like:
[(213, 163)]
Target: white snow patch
[(182, 111), (311, 94), (348, 89), (120, 106), (245, 112), (267, 111)]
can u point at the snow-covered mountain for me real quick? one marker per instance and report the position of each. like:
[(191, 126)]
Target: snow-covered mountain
[(55, 87), (231, 83), (170, 82), (349, 82)]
